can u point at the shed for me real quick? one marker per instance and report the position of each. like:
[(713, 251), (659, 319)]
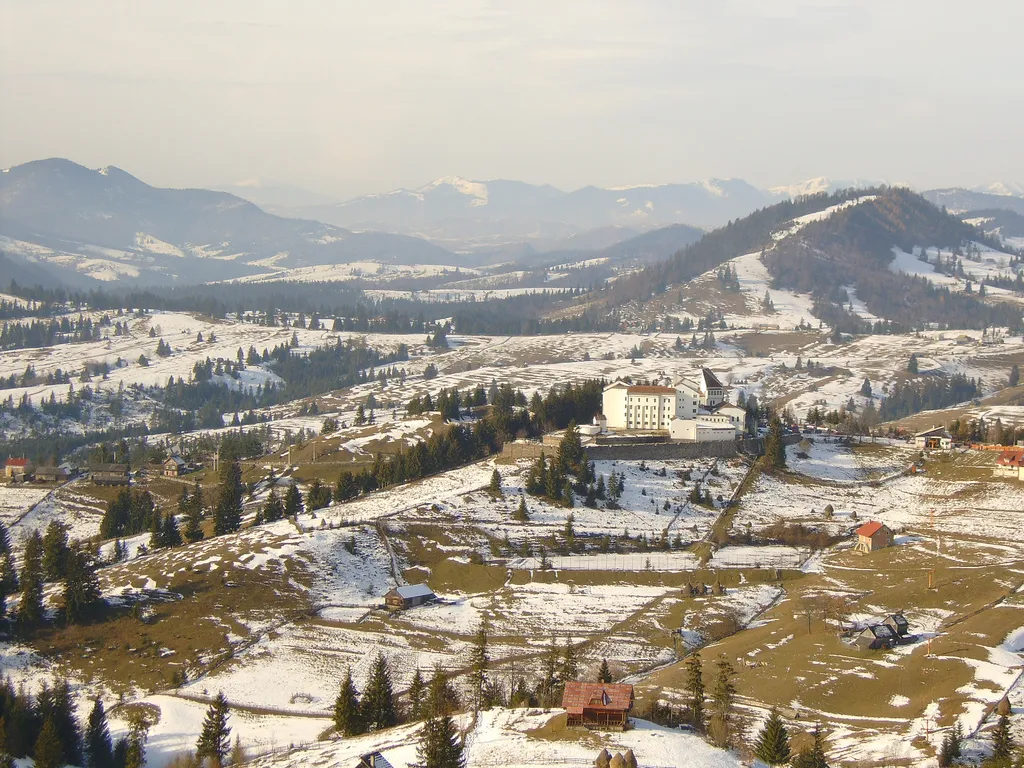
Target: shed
[(373, 760), (408, 596), (874, 637), (598, 705), (898, 623), (109, 474), (50, 474), (872, 536), (174, 466)]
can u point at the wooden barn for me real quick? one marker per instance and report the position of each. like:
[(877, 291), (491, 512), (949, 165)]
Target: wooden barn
[(604, 706), (18, 469), (875, 637), (873, 536), (408, 596), (109, 474)]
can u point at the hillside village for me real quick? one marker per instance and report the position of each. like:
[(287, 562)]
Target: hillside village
[(740, 520)]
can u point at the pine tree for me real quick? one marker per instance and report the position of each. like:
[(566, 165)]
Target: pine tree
[(48, 752), (30, 607), (292, 501), (440, 745), (722, 702), (215, 737), (570, 669), (912, 364), (478, 661), (156, 533), (442, 699), (1002, 740), (814, 755), (1014, 379), (774, 448), (347, 719), (8, 576), (378, 698), (138, 734), (98, 747), (55, 551), (521, 514), (194, 515), (772, 746), (6, 756), (228, 512), (695, 688), (417, 689), (82, 596), (273, 510), (495, 487), (57, 705), (171, 536), (237, 752), (604, 674)]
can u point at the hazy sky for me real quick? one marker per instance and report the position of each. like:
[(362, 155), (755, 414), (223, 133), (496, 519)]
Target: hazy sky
[(352, 97)]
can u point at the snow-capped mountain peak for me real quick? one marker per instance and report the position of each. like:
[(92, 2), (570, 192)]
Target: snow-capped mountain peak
[(474, 189)]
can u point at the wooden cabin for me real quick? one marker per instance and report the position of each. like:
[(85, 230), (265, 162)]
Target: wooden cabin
[(109, 474), (408, 596), (602, 706), (174, 466)]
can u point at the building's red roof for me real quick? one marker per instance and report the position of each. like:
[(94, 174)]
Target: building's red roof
[(609, 697), (645, 390), (17, 462), (870, 529), (1011, 459)]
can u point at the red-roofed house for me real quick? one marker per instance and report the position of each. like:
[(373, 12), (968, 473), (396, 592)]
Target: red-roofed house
[(872, 536), (18, 468), (1010, 464), (598, 705)]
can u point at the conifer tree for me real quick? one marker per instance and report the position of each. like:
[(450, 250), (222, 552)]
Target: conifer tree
[(813, 756), (1014, 379), (417, 690), (194, 515), (570, 669), (604, 673), (156, 533), (347, 717), (495, 486), (6, 756), (82, 596), (273, 510), (772, 746), (171, 536), (48, 752), (57, 705), (378, 698), (237, 752), (774, 448), (292, 501), (722, 701), (1002, 740), (8, 576), (138, 734), (521, 514), (215, 737), (442, 699), (478, 661), (98, 747), (440, 745), (318, 496), (695, 689), (30, 607), (228, 512), (55, 551)]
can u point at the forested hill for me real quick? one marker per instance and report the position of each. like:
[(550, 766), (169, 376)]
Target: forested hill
[(854, 247), (746, 235)]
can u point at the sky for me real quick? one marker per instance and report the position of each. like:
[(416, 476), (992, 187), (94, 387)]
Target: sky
[(346, 97)]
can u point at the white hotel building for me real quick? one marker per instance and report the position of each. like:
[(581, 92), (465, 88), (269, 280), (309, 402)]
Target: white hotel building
[(691, 409)]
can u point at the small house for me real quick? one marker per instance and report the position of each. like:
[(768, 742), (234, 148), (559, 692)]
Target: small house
[(598, 705), (50, 474), (935, 438), (875, 637), (873, 536), (409, 596), (373, 760), (174, 467), (1010, 464), (109, 474), (898, 623), (18, 469)]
